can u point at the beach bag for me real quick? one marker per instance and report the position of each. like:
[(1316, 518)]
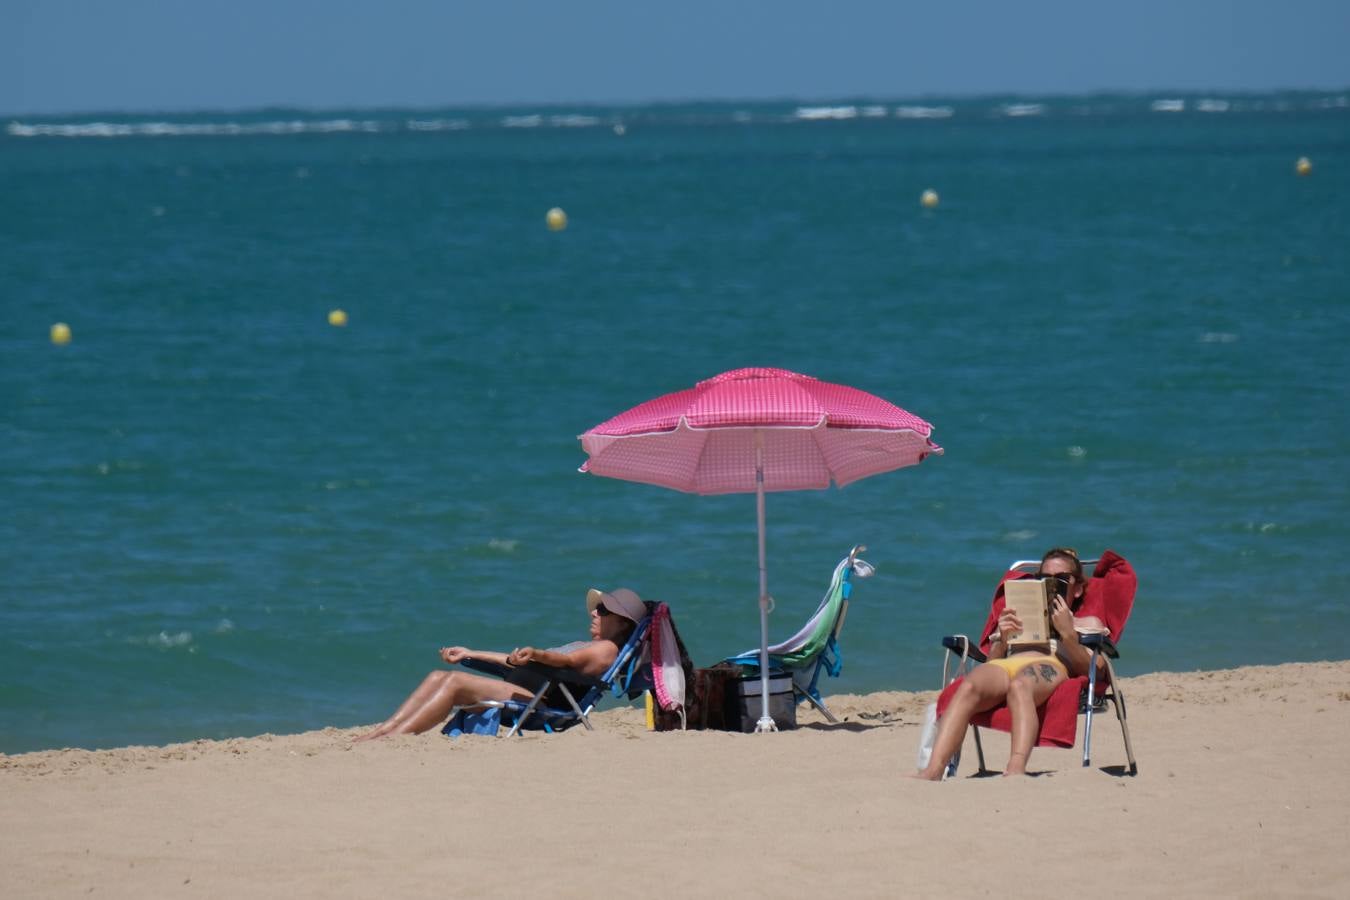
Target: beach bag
[(677, 679), (928, 736), (710, 702), (486, 721), (746, 702), (668, 662)]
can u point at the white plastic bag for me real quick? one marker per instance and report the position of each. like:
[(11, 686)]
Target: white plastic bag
[(929, 735)]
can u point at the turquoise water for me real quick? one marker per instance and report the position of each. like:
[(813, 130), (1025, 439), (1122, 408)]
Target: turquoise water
[(222, 516)]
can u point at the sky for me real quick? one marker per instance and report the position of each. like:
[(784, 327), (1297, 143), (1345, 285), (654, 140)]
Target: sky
[(71, 56)]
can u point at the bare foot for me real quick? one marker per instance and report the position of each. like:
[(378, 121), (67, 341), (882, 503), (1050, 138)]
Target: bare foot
[(370, 735), (924, 776), (1017, 765)]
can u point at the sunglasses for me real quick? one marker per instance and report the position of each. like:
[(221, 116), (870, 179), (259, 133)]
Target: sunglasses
[(601, 611), (1062, 578)]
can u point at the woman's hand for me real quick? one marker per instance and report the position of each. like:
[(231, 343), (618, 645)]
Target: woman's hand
[(1008, 623), (1061, 618), (520, 656), (453, 655)]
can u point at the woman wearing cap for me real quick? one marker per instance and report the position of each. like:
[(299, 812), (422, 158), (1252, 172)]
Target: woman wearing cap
[(614, 615)]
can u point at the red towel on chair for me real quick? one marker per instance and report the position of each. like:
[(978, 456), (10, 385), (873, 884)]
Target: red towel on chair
[(1109, 597)]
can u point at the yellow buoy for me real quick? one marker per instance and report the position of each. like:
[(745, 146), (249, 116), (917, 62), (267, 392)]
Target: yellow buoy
[(337, 318), (929, 199), (556, 219), (1303, 166), (60, 333)]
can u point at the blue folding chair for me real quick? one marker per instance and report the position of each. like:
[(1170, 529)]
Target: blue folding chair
[(815, 648), (561, 697)]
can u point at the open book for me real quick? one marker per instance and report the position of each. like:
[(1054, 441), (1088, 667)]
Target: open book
[(1031, 599)]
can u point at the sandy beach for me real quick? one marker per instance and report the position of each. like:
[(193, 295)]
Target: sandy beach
[(1241, 792)]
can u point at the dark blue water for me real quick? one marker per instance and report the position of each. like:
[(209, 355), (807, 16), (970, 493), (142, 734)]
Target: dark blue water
[(220, 515)]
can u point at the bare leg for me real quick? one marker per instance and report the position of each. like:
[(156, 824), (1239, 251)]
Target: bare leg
[(984, 688), (416, 700), (1032, 687), (440, 692)]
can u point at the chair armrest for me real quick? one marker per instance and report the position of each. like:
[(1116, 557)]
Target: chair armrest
[(482, 665), (531, 674), (566, 676), (956, 644), (1099, 641)]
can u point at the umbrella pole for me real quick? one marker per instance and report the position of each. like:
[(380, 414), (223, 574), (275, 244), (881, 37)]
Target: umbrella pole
[(765, 722)]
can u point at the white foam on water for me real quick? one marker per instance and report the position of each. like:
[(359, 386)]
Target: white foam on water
[(814, 112), (1020, 110), (224, 626), (1076, 452), (436, 124), (1021, 534), (164, 639), (503, 545), (924, 112), (1218, 337), (573, 121), (192, 129), (817, 113), (342, 125)]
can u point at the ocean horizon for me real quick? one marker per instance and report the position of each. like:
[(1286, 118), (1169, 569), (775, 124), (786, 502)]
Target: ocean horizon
[(1125, 316), (322, 119)]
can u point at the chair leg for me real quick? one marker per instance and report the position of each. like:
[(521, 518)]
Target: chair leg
[(818, 704), (1091, 701), (529, 710), (955, 762), (585, 720), (1119, 701), (1087, 735)]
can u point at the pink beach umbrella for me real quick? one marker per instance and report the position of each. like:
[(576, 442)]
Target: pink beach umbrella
[(758, 430)]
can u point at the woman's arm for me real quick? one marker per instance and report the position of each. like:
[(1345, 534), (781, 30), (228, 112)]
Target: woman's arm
[(1077, 658), (454, 655), (592, 659)]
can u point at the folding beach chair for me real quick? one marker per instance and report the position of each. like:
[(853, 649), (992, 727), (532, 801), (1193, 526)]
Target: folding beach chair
[(1111, 592), (815, 648), (561, 697)]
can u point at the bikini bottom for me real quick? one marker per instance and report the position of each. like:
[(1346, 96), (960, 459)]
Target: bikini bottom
[(1013, 665)]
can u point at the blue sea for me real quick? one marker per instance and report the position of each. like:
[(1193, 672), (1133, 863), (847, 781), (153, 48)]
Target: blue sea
[(1128, 319)]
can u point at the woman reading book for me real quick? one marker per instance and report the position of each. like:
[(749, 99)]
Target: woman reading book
[(1022, 677)]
